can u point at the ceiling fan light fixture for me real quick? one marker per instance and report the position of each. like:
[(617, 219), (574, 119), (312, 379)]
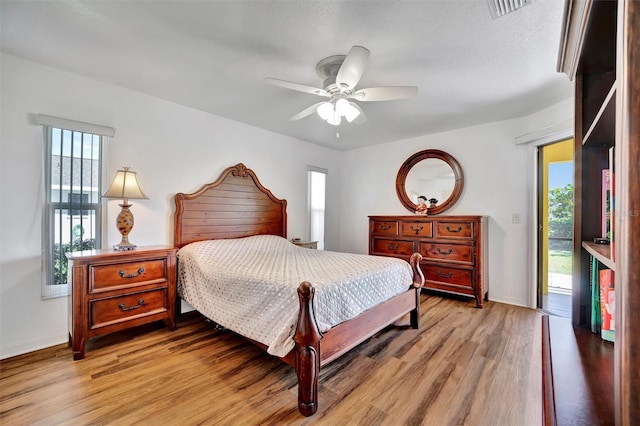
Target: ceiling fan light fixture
[(352, 112), (343, 106), (334, 119), (325, 110)]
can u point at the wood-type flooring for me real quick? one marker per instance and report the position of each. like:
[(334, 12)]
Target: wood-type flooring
[(463, 366)]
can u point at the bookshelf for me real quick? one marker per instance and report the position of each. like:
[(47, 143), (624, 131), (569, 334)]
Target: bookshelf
[(601, 252), (600, 52)]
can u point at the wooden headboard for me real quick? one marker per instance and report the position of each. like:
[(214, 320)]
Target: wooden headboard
[(236, 205)]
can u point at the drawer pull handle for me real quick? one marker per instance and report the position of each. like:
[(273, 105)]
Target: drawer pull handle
[(417, 229), (392, 246), (123, 275), (443, 252), (441, 275), (454, 230), (130, 308), (385, 227)]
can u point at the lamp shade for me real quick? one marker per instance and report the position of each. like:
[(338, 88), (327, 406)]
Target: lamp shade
[(125, 185)]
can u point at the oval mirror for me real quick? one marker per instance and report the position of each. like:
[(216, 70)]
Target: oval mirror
[(430, 175)]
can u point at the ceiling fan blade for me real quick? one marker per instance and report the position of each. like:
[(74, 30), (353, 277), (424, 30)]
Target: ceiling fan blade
[(352, 67), (386, 93), (306, 112), (297, 86)]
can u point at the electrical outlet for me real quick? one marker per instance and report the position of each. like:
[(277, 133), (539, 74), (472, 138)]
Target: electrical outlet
[(515, 218)]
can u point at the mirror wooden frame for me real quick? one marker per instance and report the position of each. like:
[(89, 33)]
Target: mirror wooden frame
[(415, 159)]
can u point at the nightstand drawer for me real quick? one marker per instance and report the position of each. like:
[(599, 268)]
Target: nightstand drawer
[(107, 277), (110, 311)]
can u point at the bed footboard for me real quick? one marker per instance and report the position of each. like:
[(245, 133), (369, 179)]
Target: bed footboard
[(418, 283), (307, 355)]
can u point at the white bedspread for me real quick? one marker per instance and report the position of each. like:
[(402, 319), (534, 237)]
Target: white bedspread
[(249, 285)]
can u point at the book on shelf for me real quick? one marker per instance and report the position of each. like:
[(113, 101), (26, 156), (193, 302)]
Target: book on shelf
[(606, 204), (596, 310), (612, 202), (607, 305)]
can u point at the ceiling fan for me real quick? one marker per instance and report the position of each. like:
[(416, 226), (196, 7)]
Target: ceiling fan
[(341, 74)]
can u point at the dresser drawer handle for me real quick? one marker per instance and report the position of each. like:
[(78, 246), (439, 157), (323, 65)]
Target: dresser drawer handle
[(454, 230), (417, 229), (385, 227), (130, 308), (123, 275), (441, 275), (392, 246), (443, 252)]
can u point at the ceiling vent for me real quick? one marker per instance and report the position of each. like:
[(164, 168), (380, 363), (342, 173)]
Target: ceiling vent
[(500, 8)]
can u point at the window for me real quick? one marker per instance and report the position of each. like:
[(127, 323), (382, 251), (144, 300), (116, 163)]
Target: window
[(72, 215), (317, 192)]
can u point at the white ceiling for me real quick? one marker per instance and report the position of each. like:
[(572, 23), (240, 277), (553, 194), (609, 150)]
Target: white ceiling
[(213, 56)]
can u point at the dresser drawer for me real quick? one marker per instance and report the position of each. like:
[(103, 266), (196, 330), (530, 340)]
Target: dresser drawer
[(396, 247), (455, 230), (387, 227), (451, 252), (443, 276), (107, 277), (416, 229), (113, 310)]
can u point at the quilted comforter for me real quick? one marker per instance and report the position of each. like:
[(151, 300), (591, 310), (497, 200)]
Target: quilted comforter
[(249, 285)]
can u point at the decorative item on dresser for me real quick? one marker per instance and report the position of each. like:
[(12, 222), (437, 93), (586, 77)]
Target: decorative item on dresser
[(454, 249), (112, 290)]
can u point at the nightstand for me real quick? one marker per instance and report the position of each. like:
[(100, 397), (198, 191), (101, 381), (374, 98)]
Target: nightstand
[(306, 244), (115, 290)]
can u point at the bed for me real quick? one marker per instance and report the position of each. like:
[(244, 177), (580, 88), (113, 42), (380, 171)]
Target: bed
[(236, 224)]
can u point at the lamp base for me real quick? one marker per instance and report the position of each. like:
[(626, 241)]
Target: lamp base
[(125, 224), (124, 247)]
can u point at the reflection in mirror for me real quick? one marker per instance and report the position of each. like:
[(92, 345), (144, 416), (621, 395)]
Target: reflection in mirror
[(432, 178), (432, 174)]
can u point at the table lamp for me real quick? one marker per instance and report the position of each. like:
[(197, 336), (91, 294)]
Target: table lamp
[(125, 186)]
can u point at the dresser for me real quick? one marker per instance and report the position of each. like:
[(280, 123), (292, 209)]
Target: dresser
[(115, 290), (454, 249)]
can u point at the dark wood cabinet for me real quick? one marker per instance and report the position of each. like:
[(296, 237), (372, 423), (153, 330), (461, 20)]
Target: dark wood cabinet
[(600, 51), (453, 248), (114, 290)]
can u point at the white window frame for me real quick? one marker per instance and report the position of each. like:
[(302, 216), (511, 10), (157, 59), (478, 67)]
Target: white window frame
[(49, 123), (317, 205)]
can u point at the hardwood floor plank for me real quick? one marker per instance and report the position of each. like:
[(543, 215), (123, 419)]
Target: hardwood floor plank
[(463, 366)]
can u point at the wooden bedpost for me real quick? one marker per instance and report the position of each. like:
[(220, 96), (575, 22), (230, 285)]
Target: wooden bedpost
[(418, 282), (307, 349)]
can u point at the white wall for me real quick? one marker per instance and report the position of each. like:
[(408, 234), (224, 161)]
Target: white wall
[(498, 184), (173, 149)]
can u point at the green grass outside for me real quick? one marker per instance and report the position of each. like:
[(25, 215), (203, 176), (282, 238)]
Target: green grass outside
[(560, 262)]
